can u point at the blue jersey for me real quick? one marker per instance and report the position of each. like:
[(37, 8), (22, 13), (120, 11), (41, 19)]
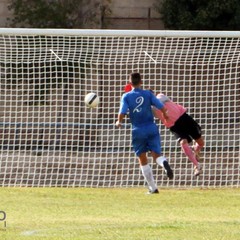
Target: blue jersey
[(139, 103), (145, 134)]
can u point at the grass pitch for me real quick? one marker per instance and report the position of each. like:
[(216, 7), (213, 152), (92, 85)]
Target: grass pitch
[(85, 213)]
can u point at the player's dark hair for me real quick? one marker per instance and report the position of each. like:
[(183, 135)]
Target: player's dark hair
[(135, 79)]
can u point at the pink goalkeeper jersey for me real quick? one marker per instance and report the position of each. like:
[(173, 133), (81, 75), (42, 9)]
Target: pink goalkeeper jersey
[(174, 110)]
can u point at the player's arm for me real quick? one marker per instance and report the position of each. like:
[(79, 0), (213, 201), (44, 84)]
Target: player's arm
[(165, 114), (120, 119), (123, 111), (159, 105)]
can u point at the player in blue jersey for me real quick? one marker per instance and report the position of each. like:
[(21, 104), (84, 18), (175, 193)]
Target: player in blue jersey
[(145, 133)]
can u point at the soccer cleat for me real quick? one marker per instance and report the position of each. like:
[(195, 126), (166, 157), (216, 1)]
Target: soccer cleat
[(197, 170), (168, 170), (153, 192)]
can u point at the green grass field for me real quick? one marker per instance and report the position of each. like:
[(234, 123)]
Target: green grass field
[(85, 213)]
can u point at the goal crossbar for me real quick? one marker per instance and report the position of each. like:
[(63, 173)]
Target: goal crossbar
[(118, 33)]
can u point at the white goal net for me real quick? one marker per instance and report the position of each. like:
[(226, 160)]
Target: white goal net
[(50, 138)]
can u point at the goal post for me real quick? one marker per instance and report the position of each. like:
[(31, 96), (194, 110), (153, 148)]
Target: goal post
[(49, 138)]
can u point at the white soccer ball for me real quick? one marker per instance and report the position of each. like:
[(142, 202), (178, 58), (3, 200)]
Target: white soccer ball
[(91, 100)]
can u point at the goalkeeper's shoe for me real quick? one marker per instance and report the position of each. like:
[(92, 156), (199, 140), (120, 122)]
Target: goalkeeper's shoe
[(197, 170), (168, 170), (153, 191)]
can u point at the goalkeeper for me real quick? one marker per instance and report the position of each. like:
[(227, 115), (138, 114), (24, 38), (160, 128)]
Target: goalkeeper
[(185, 129), (183, 126)]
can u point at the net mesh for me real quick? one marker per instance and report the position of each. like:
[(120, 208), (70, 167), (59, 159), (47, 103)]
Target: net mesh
[(49, 138)]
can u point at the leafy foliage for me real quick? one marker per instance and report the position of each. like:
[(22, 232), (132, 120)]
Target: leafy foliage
[(200, 15), (56, 13), (50, 14)]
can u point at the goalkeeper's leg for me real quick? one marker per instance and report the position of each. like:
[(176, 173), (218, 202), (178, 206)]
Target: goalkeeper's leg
[(188, 151), (192, 156), (198, 145)]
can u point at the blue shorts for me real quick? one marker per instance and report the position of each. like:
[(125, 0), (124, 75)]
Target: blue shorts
[(146, 138)]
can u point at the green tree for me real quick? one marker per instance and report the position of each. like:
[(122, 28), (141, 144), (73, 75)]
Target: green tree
[(57, 13), (50, 14), (200, 14)]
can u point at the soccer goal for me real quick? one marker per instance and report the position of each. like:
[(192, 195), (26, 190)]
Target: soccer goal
[(50, 138)]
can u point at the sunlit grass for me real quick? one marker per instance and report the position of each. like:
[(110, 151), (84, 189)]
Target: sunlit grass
[(86, 213)]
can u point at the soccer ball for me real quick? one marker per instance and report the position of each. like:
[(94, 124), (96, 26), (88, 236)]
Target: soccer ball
[(91, 100)]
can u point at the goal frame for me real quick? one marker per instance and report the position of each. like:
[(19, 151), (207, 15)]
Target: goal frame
[(108, 181)]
